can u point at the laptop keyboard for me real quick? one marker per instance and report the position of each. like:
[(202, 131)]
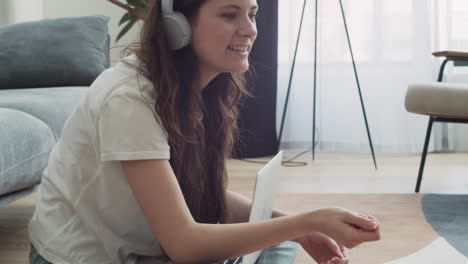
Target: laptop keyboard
[(233, 261)]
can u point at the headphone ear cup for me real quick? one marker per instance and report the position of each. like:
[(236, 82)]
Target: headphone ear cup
[(178, 30)]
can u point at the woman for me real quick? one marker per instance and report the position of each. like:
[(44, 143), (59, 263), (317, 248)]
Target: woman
[(139, 172)]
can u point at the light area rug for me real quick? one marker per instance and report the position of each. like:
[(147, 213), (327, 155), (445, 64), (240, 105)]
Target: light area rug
[(410, 234), (407, 235), (439, 251)]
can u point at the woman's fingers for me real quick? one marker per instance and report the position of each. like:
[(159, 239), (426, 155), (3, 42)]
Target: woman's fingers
[(362, 222), (344, 252), (336, 260), (336, 248), (348, 228), (368, 217), (365, 229)]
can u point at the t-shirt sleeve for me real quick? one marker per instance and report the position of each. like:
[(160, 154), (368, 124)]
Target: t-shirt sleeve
[(128, 129)]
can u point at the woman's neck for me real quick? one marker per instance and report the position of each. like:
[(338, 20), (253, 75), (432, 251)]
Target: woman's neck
[(206, 77)]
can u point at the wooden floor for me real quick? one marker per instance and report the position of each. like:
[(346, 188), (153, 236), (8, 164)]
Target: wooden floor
[(355, 173), (329, 173)]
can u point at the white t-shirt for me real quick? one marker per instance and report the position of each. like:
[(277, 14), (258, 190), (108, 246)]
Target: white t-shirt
[(85, 210)]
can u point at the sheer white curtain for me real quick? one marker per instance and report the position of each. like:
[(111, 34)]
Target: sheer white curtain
[(392, 42)]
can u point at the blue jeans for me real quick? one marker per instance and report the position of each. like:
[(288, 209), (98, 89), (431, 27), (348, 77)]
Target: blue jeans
[(284, 253), (35, 258)]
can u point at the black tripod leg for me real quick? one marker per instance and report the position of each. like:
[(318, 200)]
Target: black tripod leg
[(291, 77), (358, 84), (315, 80)]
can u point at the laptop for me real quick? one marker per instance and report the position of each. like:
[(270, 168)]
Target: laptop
[(266, 187)]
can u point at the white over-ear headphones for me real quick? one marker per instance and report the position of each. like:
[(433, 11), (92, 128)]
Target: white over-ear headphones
[(177, 27)]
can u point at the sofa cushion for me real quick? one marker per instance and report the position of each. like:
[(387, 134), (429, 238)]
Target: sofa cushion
[(25, 146), (53, 52), (11, 197), (50, 105)]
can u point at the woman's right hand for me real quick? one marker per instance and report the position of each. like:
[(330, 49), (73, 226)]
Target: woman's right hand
[(346, 227)]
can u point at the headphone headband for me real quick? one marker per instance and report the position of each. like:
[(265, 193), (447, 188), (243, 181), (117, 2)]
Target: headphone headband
[(167, 6)]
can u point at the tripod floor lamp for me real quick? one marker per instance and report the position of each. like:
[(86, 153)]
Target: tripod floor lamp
[(315, 79)]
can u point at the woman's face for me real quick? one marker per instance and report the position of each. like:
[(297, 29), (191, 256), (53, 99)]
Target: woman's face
[(223, 34)]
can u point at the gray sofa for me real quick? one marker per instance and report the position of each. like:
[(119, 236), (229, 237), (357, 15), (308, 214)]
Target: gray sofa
[(45, 68)]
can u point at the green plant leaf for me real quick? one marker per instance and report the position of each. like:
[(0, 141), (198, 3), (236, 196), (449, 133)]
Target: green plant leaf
[(137, 3), (125, 18), (133, 2), (126, 28), (139, 6), (140, 10), (142, 4)]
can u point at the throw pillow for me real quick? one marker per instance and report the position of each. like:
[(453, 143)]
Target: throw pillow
[(53, 52)]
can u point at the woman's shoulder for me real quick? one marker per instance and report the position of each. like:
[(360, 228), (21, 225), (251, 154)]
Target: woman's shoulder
[(124, 79)]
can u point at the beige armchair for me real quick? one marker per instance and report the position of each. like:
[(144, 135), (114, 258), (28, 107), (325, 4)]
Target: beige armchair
[(442, 102)]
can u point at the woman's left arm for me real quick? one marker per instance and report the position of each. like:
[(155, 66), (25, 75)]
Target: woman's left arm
[(239, 208)]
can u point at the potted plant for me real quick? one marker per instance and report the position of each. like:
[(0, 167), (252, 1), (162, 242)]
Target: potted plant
[(136, 10)]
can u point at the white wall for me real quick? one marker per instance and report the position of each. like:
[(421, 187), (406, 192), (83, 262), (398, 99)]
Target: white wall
[(73, 8), (22, 10), (13, 11), (3, 13)]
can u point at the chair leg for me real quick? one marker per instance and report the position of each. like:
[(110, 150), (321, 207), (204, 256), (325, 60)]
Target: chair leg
[(441, 70), (424, 153)]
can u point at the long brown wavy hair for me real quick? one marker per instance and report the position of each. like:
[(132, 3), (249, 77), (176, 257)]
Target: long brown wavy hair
[(201, 124)]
